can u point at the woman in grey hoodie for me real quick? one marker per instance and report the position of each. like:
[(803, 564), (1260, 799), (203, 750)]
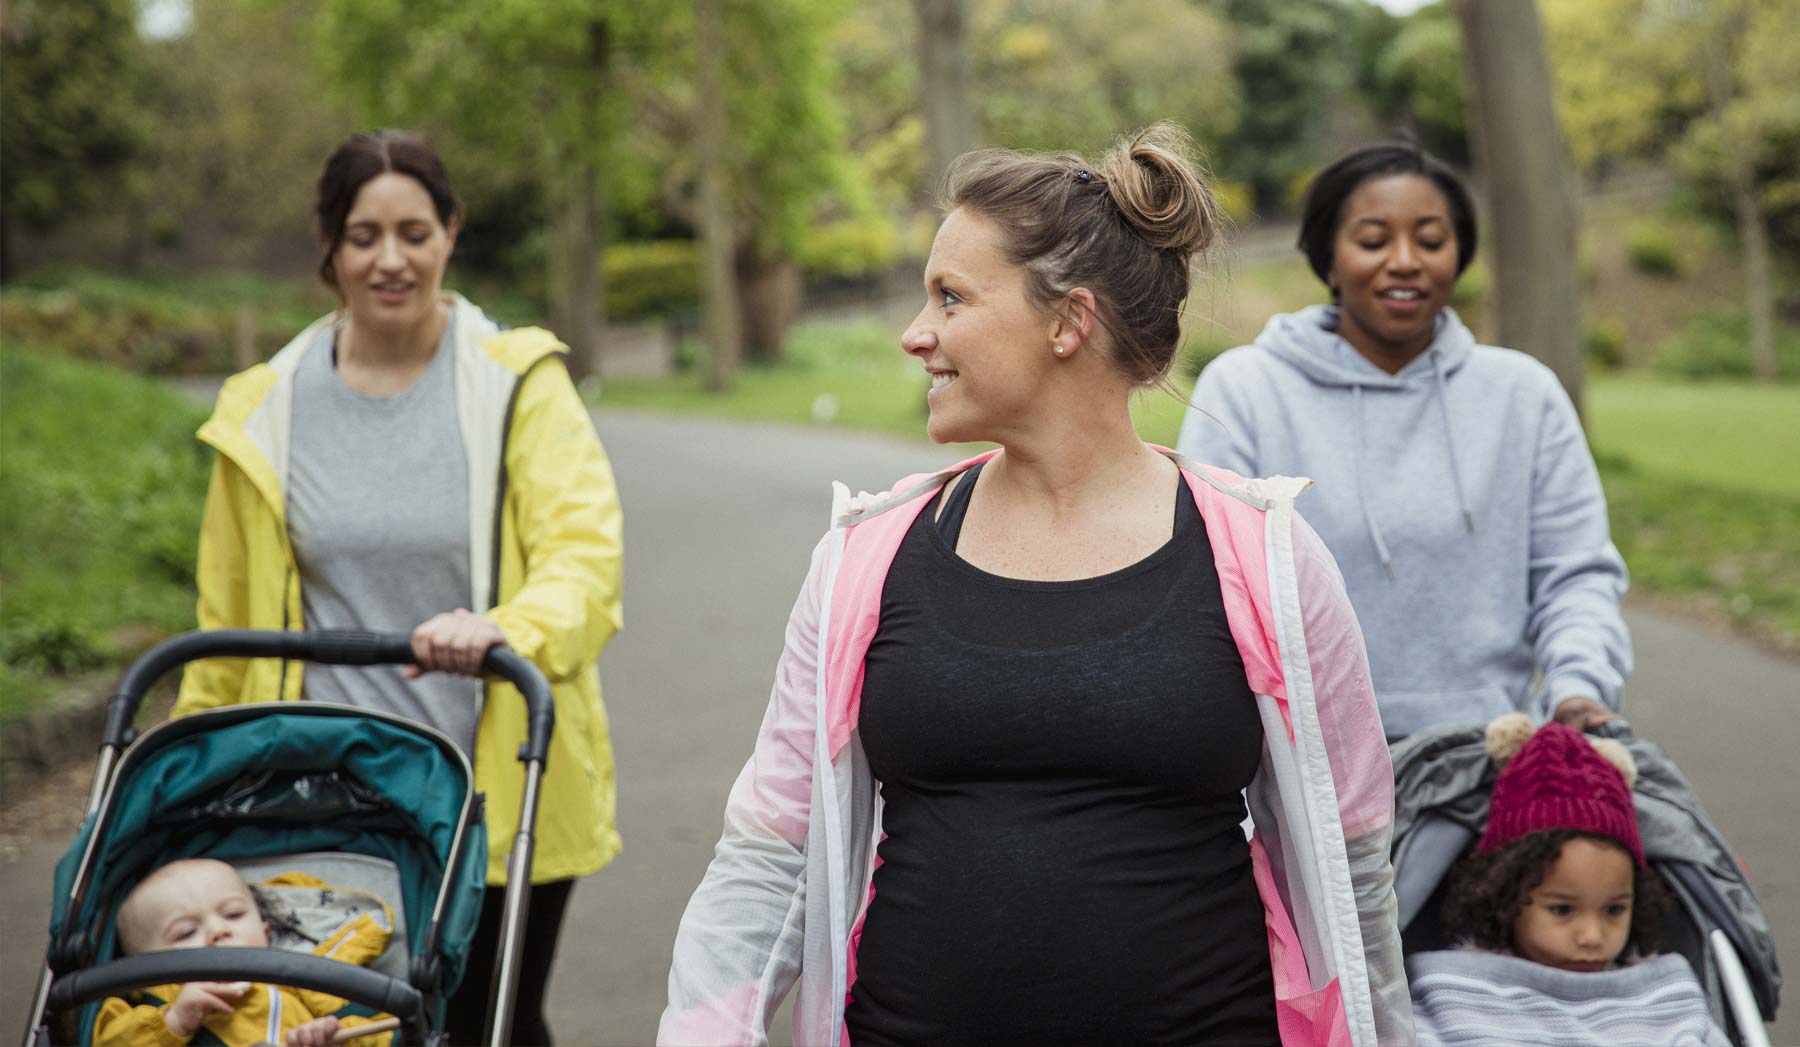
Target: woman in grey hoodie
[(1455, 485)]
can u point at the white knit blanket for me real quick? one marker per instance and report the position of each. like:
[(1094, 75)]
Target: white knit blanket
[(1467, 998)]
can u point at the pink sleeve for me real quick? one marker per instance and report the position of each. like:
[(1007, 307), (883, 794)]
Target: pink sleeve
[(1345, 697)]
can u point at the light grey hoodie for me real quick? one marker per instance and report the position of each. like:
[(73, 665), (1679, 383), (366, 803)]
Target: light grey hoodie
[(1460, 500)]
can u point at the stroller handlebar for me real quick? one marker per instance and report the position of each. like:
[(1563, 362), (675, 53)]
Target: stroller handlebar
[(331, 647), (276, 966)]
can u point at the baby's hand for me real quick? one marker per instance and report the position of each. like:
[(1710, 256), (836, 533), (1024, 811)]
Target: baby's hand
[(316, 1033), (198, 1000)]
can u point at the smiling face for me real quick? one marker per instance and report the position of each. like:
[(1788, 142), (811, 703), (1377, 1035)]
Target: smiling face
[(986, 347), (390, 265), (191, 904), (1579, 918), (1393, 266)]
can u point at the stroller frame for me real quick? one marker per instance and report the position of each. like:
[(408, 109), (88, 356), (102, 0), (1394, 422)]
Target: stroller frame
[(65, 981)]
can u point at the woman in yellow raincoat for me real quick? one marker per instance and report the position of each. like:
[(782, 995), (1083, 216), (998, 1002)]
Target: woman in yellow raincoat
[(405, 461)]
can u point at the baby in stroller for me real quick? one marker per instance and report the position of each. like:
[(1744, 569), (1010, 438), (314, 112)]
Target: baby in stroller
[(1556, 914), (200, 902)]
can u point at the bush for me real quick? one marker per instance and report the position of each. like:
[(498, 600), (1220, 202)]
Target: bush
[(652, 279), (1604, 337), (1717, 345), (156, 325), (1233, 199), (849, 247), (1652, 250), (1194, 354), (1471, 288)]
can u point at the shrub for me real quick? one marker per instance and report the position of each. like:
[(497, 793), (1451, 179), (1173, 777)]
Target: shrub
[(1652, 249), (1471, 288), (651, 279), (1194, 354), (849, 247), (158, 324), (1233, 199), (1604, 338), (1717, 345)]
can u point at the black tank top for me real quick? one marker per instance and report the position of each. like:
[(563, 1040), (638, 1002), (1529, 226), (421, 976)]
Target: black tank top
[(1061, 765)]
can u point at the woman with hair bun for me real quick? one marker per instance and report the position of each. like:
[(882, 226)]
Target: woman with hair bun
[(1456, 488), (998, 793)]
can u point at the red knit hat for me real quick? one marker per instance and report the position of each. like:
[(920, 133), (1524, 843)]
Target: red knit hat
[(1559, 781)]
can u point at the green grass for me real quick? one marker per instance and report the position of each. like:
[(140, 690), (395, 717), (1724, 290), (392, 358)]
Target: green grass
[(853, 374), (1729, 435), (101, 487)]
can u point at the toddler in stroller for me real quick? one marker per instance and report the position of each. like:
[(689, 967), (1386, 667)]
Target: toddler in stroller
[(1554, 918), (361, 802), (200, 902)]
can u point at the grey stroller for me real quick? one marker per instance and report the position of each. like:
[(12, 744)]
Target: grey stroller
[(1442, 778)]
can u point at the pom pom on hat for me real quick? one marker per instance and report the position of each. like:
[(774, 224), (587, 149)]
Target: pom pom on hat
[(1558, 780), (1506, 736)]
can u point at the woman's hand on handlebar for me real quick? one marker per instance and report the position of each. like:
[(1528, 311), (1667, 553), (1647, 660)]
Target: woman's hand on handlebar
[(1582, 713), (453, 642)]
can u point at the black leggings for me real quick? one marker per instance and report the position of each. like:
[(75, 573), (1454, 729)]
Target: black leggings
[(468, 1010)]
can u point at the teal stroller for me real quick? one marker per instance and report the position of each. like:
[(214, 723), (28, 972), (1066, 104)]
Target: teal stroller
[(358, 798)]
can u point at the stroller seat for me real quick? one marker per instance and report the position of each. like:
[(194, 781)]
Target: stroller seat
[(344, 871)]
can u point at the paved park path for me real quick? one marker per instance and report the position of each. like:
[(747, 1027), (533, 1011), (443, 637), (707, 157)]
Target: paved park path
[(720, 520)]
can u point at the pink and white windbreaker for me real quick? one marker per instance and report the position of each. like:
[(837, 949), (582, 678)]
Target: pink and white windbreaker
[(785, 893)]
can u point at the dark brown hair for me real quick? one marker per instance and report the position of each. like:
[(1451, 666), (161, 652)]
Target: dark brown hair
[(1487, 892), (1126, 228), (359, 159)]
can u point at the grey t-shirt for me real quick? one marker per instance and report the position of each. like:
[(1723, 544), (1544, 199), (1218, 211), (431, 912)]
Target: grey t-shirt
[(378, 513)]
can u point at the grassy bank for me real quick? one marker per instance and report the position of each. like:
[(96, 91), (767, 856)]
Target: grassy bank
[(101, 486), (1704, 495)]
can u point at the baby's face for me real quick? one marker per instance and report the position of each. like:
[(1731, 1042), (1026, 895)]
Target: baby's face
[(1579, 918), (206, 905)]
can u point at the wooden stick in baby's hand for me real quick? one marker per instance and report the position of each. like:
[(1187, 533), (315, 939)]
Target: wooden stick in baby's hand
[(375, 1028)]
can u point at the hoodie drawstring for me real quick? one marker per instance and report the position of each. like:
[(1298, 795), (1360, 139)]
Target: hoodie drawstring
[(1362, 489), (1462, 500)]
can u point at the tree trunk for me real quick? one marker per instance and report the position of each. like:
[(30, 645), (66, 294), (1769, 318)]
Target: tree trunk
[(1759, 298), (943, 54), (1525, 167), (577, 232), (718, 271), (575, 270), (771, 288)]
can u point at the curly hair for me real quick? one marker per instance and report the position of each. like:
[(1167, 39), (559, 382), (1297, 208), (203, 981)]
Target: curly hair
[(1487, 892)]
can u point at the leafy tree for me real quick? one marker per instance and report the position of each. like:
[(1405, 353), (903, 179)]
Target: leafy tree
[(69, 74), (1291, 60), (1623, 78), (525, 87), (1412, 73), (784, 155), (1745, 144), (220, 180), (1137, 61)]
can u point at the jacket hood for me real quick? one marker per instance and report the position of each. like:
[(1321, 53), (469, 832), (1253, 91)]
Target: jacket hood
[(1308, 341)]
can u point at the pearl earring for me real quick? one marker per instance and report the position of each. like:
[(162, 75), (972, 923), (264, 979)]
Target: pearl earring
[(1060, 348)]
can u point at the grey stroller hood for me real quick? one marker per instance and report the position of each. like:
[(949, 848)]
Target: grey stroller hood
[(1442, 780)]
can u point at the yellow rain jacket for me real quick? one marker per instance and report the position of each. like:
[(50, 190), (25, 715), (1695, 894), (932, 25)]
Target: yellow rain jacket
[(545, 543), (265, 1013)]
